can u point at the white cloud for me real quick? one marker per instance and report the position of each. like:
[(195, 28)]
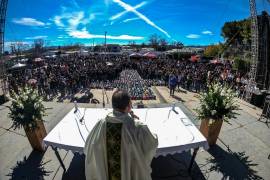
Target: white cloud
[(193, 36), (125, 37), (131, 19), (76, 19), (72, 22), (119, 15), (29, 22), (36, 37), (207, 32), (109, 23), (84, 34), (58, 22), (129, 8), (8, 43), (62, 37)]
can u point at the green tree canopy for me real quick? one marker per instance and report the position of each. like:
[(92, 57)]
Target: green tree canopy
[(237, 32), (212, 51)]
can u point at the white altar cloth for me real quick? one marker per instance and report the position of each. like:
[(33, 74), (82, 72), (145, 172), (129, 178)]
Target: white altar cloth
[(175, 131)]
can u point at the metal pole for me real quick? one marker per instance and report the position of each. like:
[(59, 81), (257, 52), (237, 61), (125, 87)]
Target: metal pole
[(3, 11), (105, 38), (93, 46), (254, 51), (105, 44)]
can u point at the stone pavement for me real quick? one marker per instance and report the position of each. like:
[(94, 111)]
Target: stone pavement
[(243, 146), (241, 152)]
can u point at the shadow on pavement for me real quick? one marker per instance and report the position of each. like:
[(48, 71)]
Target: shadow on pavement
[(233, 165), (76, 170), (31, 168), (181, 90), (178, 98), (171, 167), (175, 167)]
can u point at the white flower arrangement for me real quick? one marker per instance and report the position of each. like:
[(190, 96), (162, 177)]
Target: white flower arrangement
[(26, 108), (218, 103)]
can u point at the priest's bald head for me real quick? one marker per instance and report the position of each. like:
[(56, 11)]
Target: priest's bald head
[(121, 101)]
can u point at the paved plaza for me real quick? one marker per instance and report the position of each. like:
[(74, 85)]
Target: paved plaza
[(241, 152)]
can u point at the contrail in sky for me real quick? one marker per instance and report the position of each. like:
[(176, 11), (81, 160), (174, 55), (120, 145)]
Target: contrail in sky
[(126, 11), (129, 8)]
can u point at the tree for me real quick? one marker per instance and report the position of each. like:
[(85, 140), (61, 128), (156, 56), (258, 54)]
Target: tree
[(38, 46), (179, 45), (154, 41), (176, 45), (241, 65), (132, 43), (18, 47), (212, 51), (143, 45), (237, 32), (163, 44)]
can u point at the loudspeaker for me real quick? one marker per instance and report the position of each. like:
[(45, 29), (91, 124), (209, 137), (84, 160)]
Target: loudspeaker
[(266, 107), (257, 100), (3, 99)]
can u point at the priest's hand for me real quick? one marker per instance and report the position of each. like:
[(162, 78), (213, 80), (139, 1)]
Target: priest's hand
[(133, 115)]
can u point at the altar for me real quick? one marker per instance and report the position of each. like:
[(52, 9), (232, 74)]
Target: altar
[(175, 131)]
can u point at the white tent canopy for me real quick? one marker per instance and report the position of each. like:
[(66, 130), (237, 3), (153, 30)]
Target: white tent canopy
[(17, 66)]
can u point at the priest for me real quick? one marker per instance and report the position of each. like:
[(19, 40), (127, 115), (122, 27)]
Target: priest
[(120, 147)]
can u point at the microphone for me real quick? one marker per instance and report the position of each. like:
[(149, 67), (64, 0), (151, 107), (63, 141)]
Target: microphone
[(173, 108), (76, 106), (103, 100), (78, 111), (133, 115), (81, 120)]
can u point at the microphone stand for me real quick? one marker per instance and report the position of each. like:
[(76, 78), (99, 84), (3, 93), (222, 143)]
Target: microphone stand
[(78, 113), (106, 96), (103, 101), (172, 109)]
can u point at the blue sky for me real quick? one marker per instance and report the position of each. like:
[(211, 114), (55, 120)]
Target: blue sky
[(61, 22)]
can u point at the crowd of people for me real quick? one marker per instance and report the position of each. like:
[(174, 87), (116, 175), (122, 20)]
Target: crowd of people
[(68, 75), (131, 81)]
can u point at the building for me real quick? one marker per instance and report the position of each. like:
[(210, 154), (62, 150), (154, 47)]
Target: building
[(190, 50), (110, 48), (113, 48)]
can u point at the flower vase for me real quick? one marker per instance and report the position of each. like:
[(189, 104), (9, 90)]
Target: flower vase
[(211, 130)]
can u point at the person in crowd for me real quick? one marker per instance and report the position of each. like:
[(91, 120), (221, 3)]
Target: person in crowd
[(172, 84), (189, 82), (179, 80), (120, 146), (68, 75)]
